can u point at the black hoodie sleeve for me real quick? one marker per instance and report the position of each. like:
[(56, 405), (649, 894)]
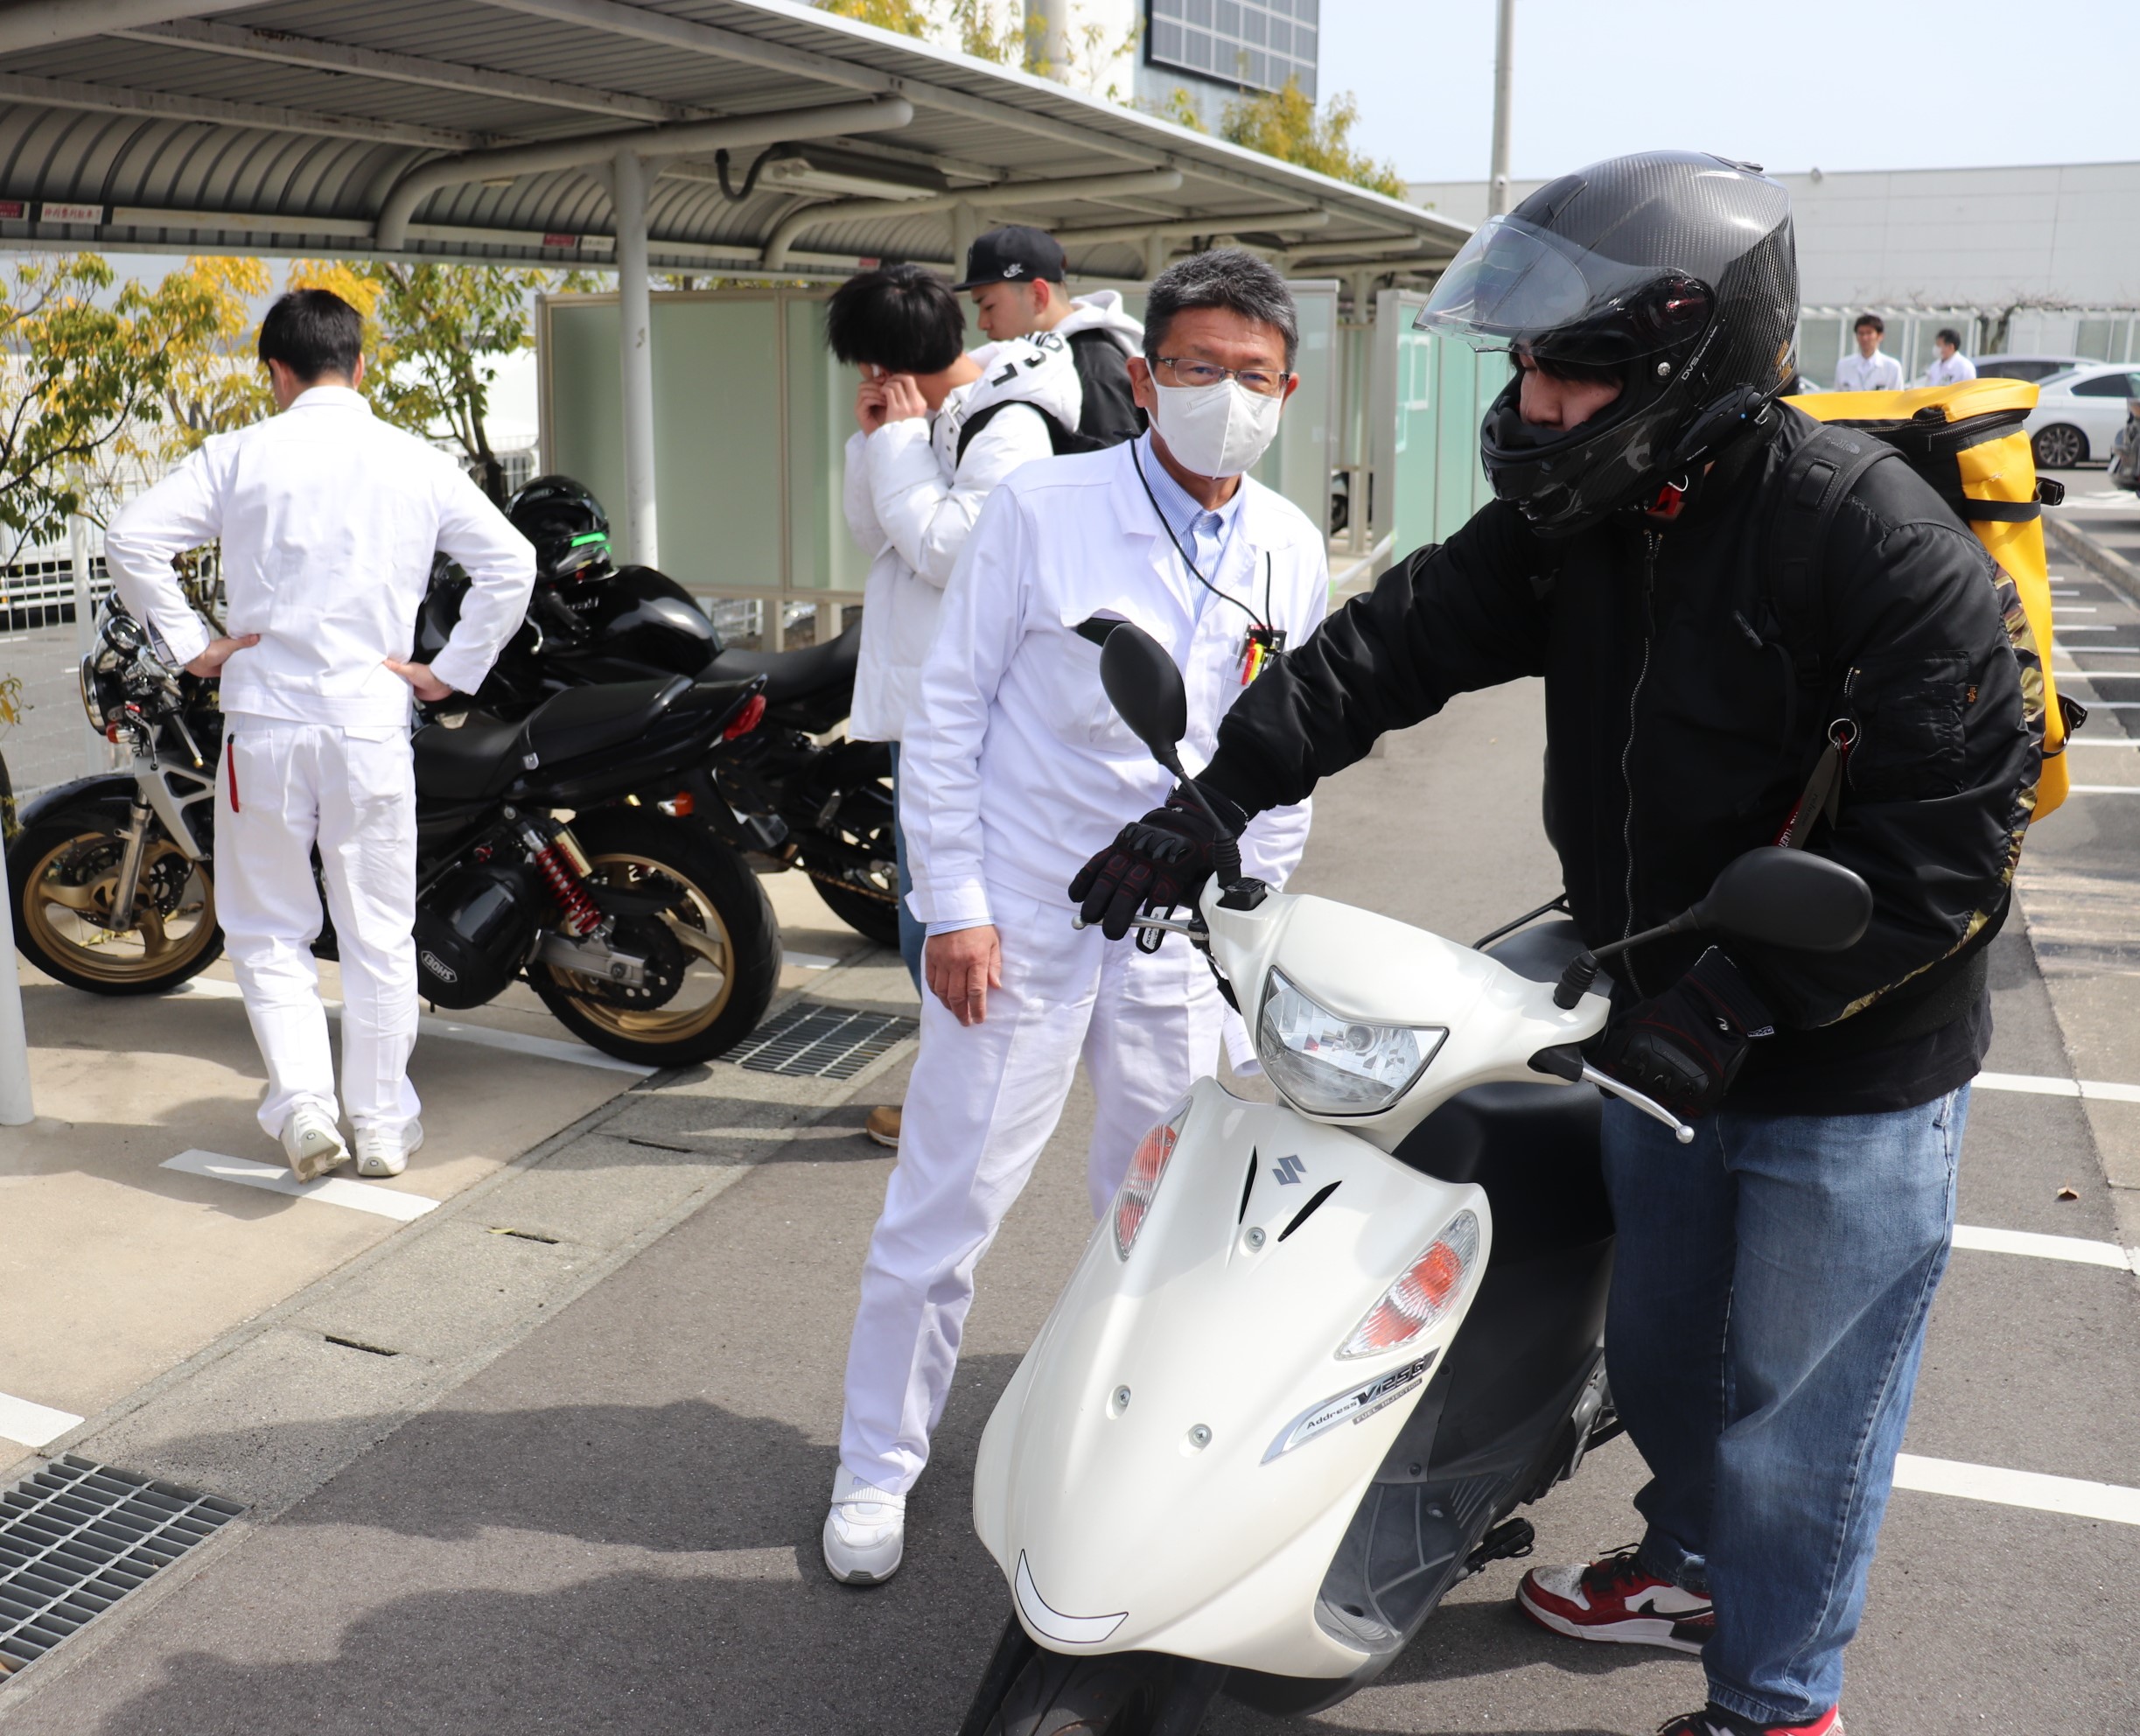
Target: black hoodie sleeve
[(1928, 645), (1451, 618)]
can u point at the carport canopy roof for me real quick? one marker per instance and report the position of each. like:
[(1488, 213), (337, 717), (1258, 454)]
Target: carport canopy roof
[(483, 129)]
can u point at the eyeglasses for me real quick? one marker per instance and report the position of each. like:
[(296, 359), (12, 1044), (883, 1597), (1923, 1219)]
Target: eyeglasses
[(1182, 372)]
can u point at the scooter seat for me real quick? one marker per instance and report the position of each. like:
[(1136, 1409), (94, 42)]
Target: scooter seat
[(793, 674)]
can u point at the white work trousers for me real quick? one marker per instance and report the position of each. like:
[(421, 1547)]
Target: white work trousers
[(982, 1100), (284, 787)]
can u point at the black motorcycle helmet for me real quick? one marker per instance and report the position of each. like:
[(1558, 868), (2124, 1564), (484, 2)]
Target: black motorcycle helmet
[(1674, 272), (566, 524)]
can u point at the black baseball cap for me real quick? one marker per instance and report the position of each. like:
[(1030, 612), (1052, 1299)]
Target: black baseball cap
[(1013, 254)]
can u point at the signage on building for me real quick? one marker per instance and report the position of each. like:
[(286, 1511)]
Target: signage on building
[(561, 241), (12, 210), (50, 213)]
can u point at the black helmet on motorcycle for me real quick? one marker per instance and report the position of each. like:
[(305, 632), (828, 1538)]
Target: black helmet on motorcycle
[(566, 524), (1672, 272)]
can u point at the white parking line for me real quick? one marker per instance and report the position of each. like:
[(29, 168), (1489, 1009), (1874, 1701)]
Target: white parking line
[(33, 1425), (2102, 789), (429, 1024), (2042, 1085), (2018, 1488), (2076, 1249), (328, 1190)]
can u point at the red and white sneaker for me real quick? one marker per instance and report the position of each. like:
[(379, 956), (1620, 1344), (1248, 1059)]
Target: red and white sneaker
[(1716, 1721), (1617, 1599)]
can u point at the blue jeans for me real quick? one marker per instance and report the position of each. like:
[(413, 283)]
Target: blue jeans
[(1768, 1316), (912, 932)]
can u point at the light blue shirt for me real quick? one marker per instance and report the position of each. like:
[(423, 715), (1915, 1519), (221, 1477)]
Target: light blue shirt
[(1202, 532)]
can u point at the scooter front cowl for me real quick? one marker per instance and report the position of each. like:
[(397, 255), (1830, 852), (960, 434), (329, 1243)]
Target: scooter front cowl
[(1176, 1458)]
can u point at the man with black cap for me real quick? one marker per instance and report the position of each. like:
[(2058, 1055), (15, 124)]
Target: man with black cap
[(1015, 275)]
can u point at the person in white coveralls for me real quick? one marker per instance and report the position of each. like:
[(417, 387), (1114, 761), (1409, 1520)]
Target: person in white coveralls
[(1016, 769), (1871, 369), (328, 520), (1949, 367), (915, 480)]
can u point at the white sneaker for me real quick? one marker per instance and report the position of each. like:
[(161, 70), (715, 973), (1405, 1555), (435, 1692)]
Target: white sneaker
[(385, 1151), (312, 1142), (865, 1533)]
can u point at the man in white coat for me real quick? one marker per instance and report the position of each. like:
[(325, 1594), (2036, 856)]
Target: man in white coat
[(1017, 769), (1871, 369), (328, 520), (936, 429)]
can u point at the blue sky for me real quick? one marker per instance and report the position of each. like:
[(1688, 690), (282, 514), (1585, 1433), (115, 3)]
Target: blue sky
[(1831, 84)]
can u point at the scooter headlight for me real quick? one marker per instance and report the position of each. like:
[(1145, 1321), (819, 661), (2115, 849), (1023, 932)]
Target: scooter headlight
[(1426, 1294), (1133, 1202), (1329, 1065)]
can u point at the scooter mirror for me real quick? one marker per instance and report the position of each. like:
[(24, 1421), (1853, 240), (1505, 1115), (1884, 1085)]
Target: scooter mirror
[(1145, 690), (1787, 898)]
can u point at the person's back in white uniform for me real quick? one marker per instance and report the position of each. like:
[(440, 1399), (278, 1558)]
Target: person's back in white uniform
[(1869, 369), (328, 521)]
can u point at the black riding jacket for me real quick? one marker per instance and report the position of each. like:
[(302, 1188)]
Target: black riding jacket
[(1679, 736)]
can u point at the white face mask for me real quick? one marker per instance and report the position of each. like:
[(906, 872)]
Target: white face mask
[(1216, 430)]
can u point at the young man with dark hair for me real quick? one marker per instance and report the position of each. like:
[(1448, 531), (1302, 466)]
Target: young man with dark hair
[(1016, 763), (936, 429), (1950, 367), (328, 520), (1015, 275), (1871, 369)]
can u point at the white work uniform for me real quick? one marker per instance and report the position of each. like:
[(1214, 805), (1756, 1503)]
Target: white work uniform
[(911, 500), (328, 520), (1017, 770), (1879, 372), (1952, 371)]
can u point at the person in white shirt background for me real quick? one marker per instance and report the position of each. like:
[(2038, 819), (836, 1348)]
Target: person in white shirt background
[(1016, 276), (1015, 769), (1871, 369), (328, 521), (915, 482), (1950, 367)]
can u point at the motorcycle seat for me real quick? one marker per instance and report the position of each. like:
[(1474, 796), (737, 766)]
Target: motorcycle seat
[(792, 675), (481, 756)]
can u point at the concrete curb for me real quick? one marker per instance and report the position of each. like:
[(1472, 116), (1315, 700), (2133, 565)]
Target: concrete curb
[(2106, 563)]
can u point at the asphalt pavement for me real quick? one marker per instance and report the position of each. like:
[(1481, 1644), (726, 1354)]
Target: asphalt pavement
[(602, 1517)]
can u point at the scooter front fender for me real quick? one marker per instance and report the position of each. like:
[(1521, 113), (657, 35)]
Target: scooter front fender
[(1150, 1480)]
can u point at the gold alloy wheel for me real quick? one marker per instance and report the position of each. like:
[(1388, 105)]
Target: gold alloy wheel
[(69, 892), (696, 923)]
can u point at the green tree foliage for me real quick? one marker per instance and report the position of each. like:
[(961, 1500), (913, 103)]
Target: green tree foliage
[(902, 15), (1283, 123), (85, 367)]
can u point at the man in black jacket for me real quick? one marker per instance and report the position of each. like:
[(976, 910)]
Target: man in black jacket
[(1772, 1280)]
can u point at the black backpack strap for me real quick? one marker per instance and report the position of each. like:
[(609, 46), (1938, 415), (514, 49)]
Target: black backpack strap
[(1817, 479), (1061, 438)]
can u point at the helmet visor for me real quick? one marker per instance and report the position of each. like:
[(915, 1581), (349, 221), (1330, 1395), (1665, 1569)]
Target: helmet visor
[(1517, 286)]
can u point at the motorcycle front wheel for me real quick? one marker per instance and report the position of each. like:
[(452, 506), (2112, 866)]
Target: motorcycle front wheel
[(63, 872), (715, 947)]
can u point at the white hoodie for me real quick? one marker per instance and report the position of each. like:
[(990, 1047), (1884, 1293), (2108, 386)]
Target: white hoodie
[(1101, 311), (911, 500)]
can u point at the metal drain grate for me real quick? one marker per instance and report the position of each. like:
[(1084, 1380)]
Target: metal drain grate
[(821, 1042), (78, 1536)]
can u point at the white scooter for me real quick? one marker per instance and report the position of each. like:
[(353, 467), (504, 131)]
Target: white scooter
[(1316, 1353)]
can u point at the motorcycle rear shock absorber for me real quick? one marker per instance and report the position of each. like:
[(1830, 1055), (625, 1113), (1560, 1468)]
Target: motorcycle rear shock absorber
[(581, 915)]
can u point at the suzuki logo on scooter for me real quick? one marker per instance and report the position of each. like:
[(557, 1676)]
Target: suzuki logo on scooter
[(1288, 1170)]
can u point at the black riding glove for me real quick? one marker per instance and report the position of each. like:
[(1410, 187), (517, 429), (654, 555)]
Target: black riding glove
[(1685, 1046), (1159, 861)]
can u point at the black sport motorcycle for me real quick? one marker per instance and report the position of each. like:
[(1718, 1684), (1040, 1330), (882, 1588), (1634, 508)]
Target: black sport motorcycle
[(642, 935), (792, 794)]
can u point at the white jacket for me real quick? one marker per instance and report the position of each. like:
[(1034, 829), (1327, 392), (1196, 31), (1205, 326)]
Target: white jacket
[(911, 502), (1016, 769), (1101, 311), (329, 519)]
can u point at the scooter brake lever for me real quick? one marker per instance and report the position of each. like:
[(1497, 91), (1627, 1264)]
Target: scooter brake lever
[(1649, 1106)]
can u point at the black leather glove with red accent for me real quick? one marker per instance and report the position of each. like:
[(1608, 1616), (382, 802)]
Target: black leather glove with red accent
[(1685, 1046), (1160, 861)]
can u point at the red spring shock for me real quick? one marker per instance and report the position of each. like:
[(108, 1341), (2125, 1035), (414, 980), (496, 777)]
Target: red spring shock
[(581, 914)]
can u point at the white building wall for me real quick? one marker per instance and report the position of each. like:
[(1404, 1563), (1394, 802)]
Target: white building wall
[(1985, 238)]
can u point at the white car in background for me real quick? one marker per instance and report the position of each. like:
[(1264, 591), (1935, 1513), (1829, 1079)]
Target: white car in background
[(2080, 412), (2030, 366)]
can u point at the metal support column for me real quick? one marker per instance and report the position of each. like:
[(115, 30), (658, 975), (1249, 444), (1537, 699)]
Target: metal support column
[(965, 226), (97, 753), (635, 357), (1504, 80), (1158, 249), (16, 1108)]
